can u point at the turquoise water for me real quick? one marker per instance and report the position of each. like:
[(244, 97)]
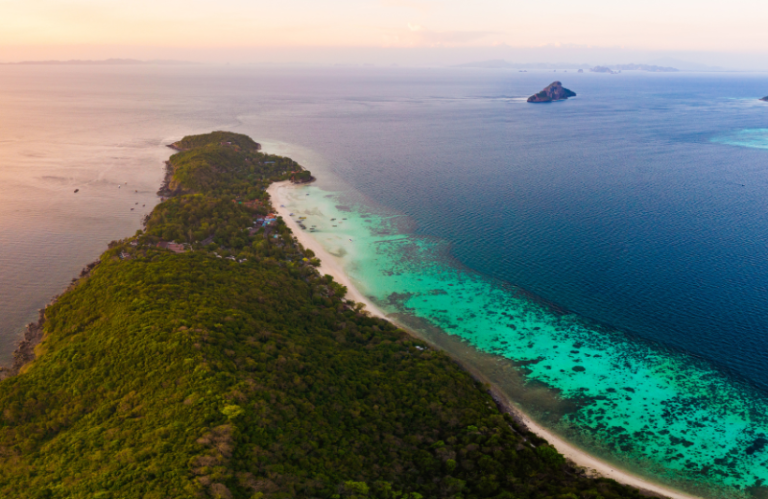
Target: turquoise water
[(649, 409), (754, 137)]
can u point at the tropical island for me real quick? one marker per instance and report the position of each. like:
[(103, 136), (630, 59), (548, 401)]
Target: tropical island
[(554, 92), (206, 357), (765, 98)]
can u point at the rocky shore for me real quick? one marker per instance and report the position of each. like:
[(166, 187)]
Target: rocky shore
[(25, 352), (33, 334), (165, 187)]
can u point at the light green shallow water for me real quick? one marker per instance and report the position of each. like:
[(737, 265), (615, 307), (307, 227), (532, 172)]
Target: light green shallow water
[(656, 412), (756, 138)]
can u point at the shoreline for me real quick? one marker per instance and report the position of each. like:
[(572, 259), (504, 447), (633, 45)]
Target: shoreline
[(332, 266), (328, 264)]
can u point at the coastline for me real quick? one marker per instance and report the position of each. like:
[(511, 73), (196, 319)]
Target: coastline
[(333, 266), (328, 263)]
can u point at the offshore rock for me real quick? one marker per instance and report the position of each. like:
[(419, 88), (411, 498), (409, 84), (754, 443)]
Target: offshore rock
[(553, 92)]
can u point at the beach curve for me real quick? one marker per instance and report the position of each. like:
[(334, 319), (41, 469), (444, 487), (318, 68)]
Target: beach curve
[(333, 266)]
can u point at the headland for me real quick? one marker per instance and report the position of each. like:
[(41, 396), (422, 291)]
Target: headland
[(206, 356)]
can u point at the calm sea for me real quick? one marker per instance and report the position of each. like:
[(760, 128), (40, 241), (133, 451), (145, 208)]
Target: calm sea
[(604, 258)]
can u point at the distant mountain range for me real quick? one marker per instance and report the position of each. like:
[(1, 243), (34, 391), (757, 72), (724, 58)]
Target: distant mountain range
[(500, 63), (105, 62)]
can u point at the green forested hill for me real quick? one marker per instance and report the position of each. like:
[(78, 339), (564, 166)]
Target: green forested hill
[(165, 375)]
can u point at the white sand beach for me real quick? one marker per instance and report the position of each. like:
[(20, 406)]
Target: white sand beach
[(329, 264), (333, 266)]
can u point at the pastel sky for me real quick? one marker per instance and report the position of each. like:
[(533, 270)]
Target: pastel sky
[(42, 26)]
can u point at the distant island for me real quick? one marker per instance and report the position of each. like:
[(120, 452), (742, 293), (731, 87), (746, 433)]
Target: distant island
[(555, 91), (633, 67), (502, 64), (104, 62), (765, 98)]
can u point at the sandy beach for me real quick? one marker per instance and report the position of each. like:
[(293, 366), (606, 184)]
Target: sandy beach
[(333, 266), (329, 264)]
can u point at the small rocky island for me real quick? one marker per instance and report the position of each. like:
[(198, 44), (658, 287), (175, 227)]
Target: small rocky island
[(555, 91), (765, 98)]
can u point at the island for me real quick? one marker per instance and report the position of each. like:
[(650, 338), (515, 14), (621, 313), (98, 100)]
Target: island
[(206, 357), (554, 92), (765, 98), (633, 67)]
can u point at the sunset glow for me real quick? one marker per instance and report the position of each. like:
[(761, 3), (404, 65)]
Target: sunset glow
[(36, 27)]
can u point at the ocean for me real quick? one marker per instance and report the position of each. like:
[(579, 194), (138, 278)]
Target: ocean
[(603, 259)]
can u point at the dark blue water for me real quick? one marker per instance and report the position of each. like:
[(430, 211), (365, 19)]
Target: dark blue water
[(637, 205), (640, 205), (618, 205)]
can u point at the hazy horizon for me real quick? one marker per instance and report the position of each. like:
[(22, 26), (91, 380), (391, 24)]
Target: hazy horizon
[(410, 57), (387, 32)]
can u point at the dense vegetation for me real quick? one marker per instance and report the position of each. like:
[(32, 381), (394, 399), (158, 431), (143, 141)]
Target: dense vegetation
[(165, 375), (227, 164)]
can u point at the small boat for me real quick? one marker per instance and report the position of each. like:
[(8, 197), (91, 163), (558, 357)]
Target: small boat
[(333, 219), (350, 239)]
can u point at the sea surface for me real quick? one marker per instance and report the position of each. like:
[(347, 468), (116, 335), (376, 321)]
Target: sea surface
[(604, 260)]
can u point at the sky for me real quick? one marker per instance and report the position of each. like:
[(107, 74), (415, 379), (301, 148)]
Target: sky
[(385, 31)]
